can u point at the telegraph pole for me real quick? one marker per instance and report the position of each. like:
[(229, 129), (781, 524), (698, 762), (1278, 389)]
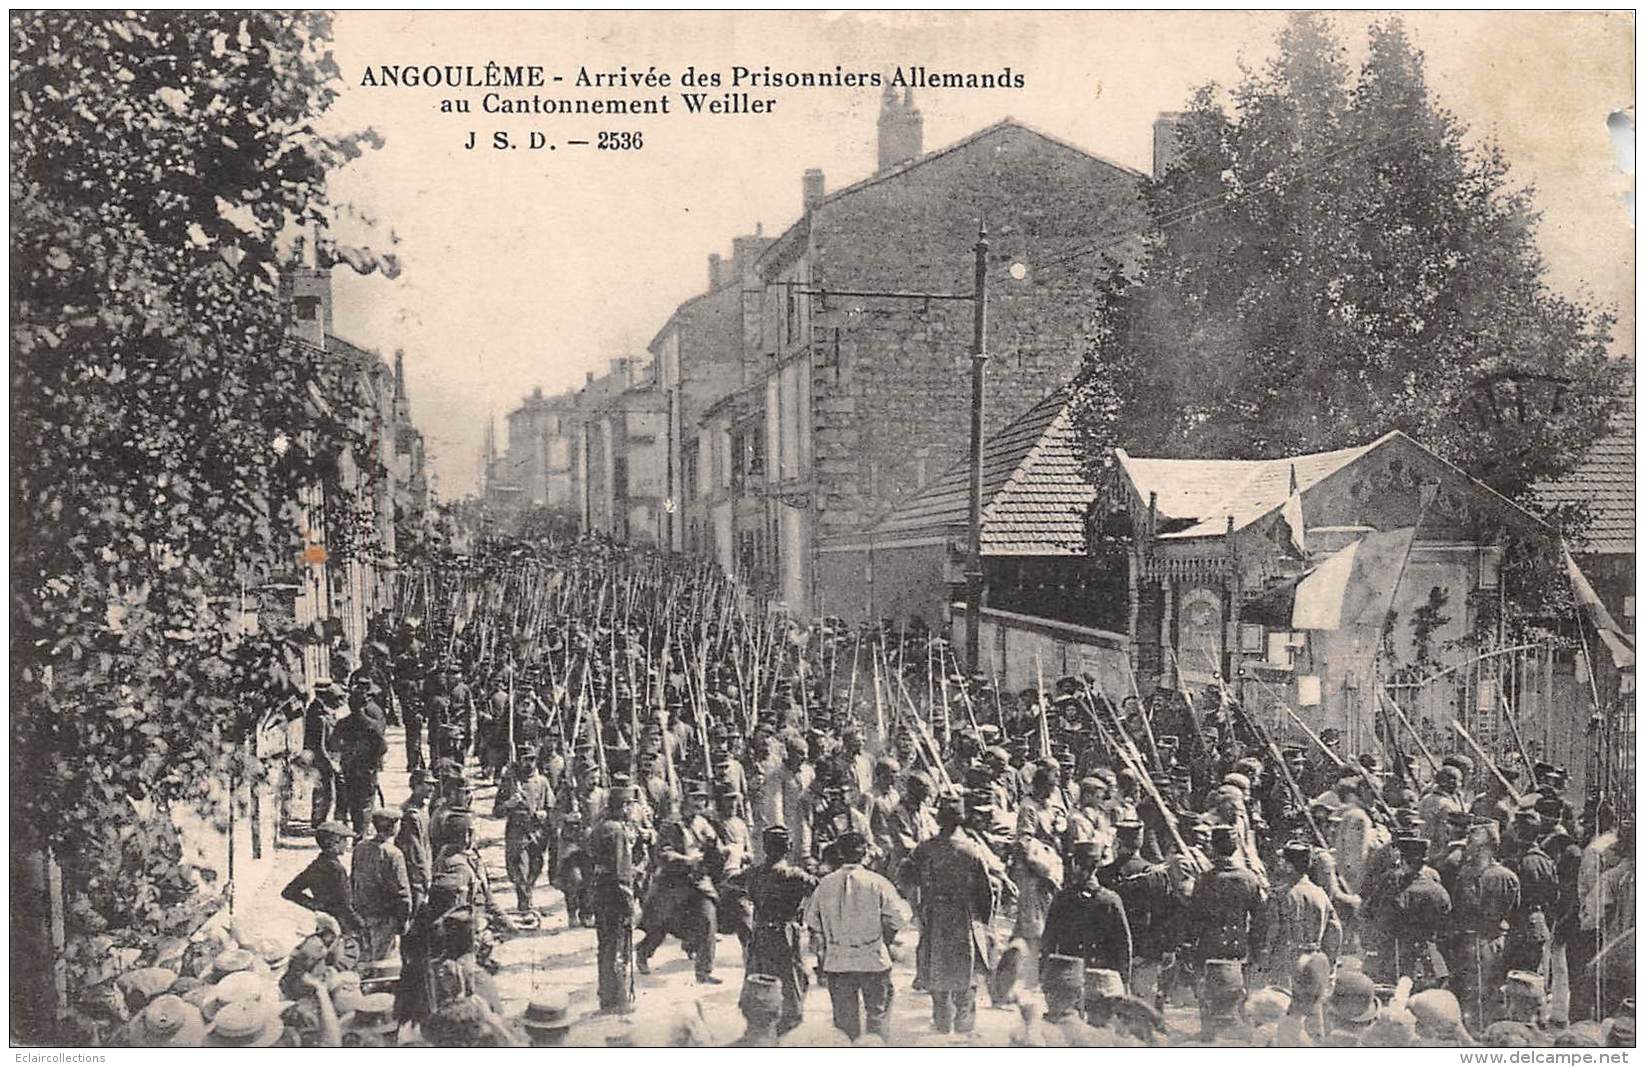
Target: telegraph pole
[(979, 367), (978, 296)]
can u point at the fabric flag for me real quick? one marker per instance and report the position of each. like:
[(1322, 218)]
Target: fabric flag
[(1292, 514), (1591, 604), (1355, 586)]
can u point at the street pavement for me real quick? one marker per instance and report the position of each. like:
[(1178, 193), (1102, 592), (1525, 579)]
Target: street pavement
[(556, 956)]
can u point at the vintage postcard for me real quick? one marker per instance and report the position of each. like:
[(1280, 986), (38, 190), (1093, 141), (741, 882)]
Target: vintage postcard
[(822, 529)]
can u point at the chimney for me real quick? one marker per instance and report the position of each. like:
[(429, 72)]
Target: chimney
[(1167, 140), (744, 251), (308, 300), (902, 129), (716, 270), (811, 189)]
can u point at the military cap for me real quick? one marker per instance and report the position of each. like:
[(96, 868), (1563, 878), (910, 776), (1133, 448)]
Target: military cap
[(1410, 845), (333, 829), (1224, 841), (550, 1012), (385, 816), (1103, 984), (1065, 974), (619, 794), (1128, 830), (776, 836), (459, 821), (761, 997), (1298, 853), (420, 776)]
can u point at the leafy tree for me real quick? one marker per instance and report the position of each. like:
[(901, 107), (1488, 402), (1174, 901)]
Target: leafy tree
[(162, 424), (1331, 261)]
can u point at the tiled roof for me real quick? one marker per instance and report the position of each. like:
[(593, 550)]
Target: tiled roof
[(1034, 498), (1604, 480), (1208, 491), (1040, 510)]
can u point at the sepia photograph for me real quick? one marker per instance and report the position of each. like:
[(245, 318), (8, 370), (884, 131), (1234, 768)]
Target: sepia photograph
[(822, 529)]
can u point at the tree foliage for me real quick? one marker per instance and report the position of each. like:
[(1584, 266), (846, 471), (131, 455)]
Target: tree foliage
[(1331, 261), (162, 424)]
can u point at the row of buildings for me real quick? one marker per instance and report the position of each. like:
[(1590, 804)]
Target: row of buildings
[(389, 507), (804, 421), (787, 408)]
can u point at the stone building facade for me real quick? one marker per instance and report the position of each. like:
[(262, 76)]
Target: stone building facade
[(868, 397)]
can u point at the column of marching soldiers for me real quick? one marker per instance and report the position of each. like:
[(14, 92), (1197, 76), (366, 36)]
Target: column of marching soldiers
[(839, 799)]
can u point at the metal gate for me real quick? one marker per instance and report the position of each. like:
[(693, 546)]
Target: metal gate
[(1535, 687)]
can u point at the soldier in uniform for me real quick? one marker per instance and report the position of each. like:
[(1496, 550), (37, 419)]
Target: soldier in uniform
[(1227, 914), (1042, 823), (1087, 919), (1437, 807), (897, 831), (1300, 916), (1413, 911), (778, 890), (1530, 931), (1142, 888), (413, 839), (318, 721), (956, 904), (728, 865), (611, 847), (1485, 896), (683, 899), (525, 800)]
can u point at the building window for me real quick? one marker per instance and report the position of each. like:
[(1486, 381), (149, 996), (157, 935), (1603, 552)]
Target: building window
[(688, 472), (747, 455), (308, 307)]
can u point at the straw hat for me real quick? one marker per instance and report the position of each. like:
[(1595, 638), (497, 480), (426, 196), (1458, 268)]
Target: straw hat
[(373, 1014), (245, 1024), (168, 1022), (549, 1013)]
